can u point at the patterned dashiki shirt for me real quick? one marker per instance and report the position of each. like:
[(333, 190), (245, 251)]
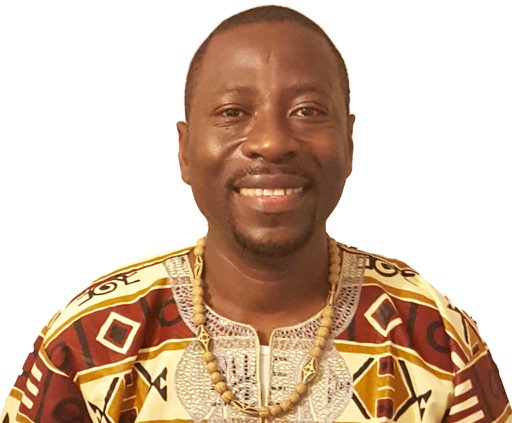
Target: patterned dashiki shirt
[(124, 351)]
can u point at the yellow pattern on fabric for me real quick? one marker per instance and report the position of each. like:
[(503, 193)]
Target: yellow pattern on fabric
[(399, 353)]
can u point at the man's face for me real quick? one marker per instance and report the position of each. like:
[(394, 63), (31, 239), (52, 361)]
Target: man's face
[(268, 146)]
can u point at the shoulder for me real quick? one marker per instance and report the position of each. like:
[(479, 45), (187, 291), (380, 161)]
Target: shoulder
[(405, 328), (122, 286), (382, 267), (397, 279), (395, 295), (117, 315)]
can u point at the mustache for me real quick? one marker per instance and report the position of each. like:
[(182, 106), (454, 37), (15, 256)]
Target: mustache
[(267, 170)]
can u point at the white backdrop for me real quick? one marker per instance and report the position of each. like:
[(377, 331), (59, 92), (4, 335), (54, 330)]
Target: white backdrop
[(90, 93)]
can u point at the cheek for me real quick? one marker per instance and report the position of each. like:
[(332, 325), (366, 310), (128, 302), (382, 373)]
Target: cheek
[(209, 194), (335, 157), (336, 167), (205, 154), (210, 145), (208, 163)]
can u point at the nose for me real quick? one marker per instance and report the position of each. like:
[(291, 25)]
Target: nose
[(270, 138)]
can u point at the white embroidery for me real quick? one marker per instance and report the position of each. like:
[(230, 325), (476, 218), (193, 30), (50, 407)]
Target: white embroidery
[(237, 348)]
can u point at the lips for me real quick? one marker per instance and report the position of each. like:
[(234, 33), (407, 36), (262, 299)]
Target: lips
[(271, 193), (270, 184)]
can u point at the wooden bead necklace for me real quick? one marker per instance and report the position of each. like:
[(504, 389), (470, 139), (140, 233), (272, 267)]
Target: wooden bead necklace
[(309, 369)]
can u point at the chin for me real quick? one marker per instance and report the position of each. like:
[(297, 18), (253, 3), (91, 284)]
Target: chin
[(271, 244)]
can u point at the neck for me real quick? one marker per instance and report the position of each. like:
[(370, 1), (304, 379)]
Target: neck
[(266, 292)]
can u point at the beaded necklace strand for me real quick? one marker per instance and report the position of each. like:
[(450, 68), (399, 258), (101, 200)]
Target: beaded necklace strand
[(309, 369)]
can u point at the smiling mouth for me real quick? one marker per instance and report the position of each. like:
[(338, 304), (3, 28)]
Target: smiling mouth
[(269, 192)]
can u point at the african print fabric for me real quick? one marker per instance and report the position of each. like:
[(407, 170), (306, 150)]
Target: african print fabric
[(124, 351)]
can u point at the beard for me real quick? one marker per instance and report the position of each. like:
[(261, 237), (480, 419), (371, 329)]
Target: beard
[(268, 246)]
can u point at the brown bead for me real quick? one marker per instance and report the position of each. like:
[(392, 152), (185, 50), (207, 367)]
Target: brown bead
[(286, 404), (323, 332), (316, 352), (212, 366), (216, 377), (295, 397), (328, 311), (198, 308), (301, 388), (275, 410), (334, 269), (197, 291), (199, 319), (221, 387), (227, 397), (208, 357), (334, 279), (325, 322), (320, 342)]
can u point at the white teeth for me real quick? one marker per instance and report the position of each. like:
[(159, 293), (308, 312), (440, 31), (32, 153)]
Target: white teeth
[(259, 192)]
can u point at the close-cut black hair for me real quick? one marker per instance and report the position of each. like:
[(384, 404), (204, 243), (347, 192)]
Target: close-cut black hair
[(262, 14)]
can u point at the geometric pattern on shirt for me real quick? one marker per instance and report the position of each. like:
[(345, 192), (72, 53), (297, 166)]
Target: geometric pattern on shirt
[(101, 413), (118, 332), (446, 358), (159, 382), (479, 392), (390, 382), (463, 408), (382, 315)]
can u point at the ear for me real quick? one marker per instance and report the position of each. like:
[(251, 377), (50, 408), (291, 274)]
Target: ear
[(182, 128), (350, 143)]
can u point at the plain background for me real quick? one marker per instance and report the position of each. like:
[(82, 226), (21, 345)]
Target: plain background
[(89, 95)]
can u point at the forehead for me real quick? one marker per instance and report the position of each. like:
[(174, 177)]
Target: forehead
[(279, 53)]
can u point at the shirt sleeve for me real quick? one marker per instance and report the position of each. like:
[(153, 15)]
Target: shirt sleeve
[(44, 394), (478, 394)]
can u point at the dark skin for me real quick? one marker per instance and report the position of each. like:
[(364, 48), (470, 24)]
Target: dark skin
[(267, 149)]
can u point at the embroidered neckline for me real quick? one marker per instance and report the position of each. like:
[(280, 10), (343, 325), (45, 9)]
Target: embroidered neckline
[(237, 346)]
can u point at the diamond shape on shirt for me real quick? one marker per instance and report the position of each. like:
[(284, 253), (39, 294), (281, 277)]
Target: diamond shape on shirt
[(382, 315), (118, 332)]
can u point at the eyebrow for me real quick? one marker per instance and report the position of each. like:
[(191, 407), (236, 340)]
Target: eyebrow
[(236, 89), (297, 89), (308, 87)]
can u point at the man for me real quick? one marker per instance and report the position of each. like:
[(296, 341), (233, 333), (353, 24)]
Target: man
[(268, 319)]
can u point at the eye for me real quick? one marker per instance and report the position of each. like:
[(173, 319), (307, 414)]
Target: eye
[(307, 111), (232, 113)]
